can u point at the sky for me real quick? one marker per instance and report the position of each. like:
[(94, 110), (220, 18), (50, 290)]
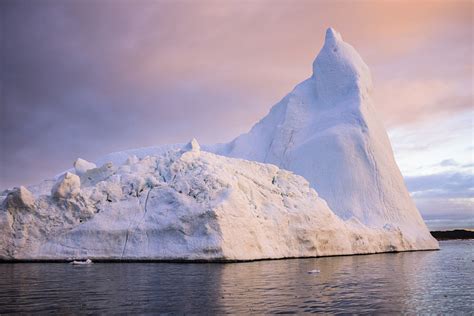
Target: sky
[(84, 78)]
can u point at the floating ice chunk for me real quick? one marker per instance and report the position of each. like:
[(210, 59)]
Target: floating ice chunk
[(76, 262), (81, 166), (68, 186)]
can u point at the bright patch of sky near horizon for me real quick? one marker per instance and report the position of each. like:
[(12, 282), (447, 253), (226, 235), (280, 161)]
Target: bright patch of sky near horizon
[(84, 78)]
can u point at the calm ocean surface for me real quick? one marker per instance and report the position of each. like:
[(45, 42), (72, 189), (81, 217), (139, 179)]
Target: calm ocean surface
[(415, 282)]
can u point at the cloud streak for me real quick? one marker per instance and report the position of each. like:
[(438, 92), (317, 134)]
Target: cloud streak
[(446, 200), (453, 185)]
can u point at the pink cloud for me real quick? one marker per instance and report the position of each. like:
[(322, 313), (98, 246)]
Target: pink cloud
[(402, 102)]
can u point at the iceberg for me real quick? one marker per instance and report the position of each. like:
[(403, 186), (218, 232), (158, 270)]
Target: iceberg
[(315, 177)]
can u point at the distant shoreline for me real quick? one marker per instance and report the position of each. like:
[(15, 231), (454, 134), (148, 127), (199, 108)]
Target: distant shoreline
[(453, 234)]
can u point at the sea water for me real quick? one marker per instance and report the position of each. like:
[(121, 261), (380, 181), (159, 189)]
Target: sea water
[(412, 282)]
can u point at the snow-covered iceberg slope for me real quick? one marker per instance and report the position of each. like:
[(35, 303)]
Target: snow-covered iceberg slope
[(327, 131), (183, 204)]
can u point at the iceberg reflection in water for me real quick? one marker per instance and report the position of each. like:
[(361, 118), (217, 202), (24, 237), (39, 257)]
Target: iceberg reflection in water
[(432, 281)]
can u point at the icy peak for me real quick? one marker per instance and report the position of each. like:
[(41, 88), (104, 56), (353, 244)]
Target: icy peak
[(339, 70), (193, 145), (332, 36)]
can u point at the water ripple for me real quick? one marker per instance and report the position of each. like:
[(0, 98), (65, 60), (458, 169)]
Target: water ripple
[(418, 282)]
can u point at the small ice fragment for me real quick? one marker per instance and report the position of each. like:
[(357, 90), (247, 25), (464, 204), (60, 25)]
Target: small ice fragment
[(75, 262)]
